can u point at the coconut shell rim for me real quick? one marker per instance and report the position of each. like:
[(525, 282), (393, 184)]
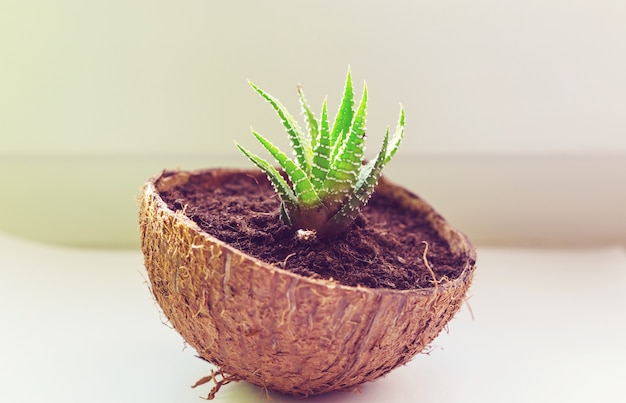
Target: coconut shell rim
[(150, 189)]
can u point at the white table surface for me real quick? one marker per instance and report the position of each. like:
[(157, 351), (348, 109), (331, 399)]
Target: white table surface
[(81, 326)]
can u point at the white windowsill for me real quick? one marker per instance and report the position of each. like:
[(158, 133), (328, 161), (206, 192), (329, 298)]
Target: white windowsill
[(532, 201), (81, 326)]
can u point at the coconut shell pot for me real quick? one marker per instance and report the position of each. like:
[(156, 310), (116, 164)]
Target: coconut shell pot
[(280, 330)]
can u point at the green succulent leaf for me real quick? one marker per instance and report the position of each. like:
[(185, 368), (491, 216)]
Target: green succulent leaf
[(322, 151), (365, 186), (343, 119), (348, 159), (303, 188), (311, 122), (397, 137), (299, 143), (289, 201)]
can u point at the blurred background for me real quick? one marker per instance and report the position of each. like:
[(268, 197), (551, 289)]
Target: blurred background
[(516, 111)]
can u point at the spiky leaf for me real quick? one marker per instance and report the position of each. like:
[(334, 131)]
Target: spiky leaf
[(303, 188), (311, 122), (289, 202), (299, 143), (348, 159), (364, 188), (322, 151), (397, 137), (343, 119)]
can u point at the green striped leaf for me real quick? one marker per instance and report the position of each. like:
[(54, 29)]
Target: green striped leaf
[(299, 143), (396, 138), (345, 113), (322, 151), (348, 158), (289, 202), (311, 122), (302, 186), (363, 191)]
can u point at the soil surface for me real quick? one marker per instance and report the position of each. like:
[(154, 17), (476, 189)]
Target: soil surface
[(383, 248)]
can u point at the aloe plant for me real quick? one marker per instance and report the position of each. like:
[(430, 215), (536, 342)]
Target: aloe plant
[(328, 181)]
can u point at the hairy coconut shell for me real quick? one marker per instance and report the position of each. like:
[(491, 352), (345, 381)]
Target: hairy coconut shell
[(281, 330)]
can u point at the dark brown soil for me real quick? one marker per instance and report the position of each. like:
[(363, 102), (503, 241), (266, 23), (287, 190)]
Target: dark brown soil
[(383, 249)]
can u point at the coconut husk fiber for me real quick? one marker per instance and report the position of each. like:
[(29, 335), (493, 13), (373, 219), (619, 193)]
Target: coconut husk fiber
[(281, 330)]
